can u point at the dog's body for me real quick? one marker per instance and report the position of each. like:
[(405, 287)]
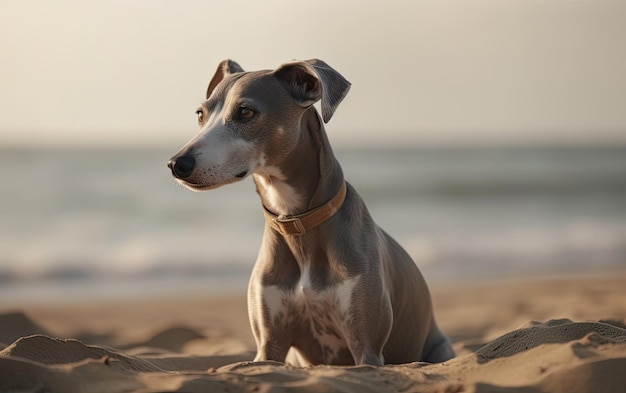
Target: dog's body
[(328, 282)]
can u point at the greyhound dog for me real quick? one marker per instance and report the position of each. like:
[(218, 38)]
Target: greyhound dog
[(329, 286)]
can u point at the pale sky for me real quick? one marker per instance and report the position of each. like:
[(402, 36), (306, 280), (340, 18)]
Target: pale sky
[(132, 72)]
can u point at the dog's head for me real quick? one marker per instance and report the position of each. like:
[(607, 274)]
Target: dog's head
[(250, 120)]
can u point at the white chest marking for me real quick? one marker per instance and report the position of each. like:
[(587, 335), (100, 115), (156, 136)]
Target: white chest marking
[(304, 285), (325, 312), (343, 294)]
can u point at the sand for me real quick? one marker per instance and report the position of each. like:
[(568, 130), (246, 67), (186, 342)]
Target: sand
[(512, 335)]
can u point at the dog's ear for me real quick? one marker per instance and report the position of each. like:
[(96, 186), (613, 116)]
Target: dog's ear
[(312, 80), (226, 67)]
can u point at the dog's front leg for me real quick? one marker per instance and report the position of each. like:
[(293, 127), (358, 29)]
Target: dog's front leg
[(268, 323), (368, 351), (271, 349), (369, 356), (271, 342), (369, 330)]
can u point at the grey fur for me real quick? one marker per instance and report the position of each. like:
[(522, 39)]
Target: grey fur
[(343, 293)]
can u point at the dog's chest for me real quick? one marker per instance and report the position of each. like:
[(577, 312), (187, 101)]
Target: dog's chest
[(323, 313)]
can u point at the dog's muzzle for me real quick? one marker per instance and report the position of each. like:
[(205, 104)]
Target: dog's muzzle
[(182, 167)]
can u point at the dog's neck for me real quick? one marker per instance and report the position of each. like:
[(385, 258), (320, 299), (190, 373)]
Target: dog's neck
[(309, 177)]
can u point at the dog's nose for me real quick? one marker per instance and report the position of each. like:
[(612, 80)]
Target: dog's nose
[(182, 167)]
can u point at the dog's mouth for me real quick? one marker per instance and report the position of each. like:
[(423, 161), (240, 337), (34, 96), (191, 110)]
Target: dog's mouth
[(197, 186), (241, 174)]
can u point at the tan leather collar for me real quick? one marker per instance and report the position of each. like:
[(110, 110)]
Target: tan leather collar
[(301, 223)]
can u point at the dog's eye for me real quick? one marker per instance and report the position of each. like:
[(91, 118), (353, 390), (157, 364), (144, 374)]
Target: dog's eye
[(200, 116), (244, 113)]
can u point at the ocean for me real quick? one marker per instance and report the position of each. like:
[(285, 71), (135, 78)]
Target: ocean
[(108, 224)]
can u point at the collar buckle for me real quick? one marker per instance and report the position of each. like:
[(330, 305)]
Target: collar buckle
[(288, 225)]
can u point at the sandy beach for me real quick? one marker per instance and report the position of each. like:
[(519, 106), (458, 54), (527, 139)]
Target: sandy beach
[(487, 138), (511, 335)]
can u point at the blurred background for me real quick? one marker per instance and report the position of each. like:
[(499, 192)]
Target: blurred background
[(488, 137)]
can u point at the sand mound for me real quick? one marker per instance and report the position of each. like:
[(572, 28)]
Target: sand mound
[(556, 356), (551, 332), (173, 339), (537, 356), (54, 351), (14, 325)]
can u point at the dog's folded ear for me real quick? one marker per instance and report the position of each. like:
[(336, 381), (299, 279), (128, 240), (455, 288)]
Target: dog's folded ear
[(226, 67), (312, 80)]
